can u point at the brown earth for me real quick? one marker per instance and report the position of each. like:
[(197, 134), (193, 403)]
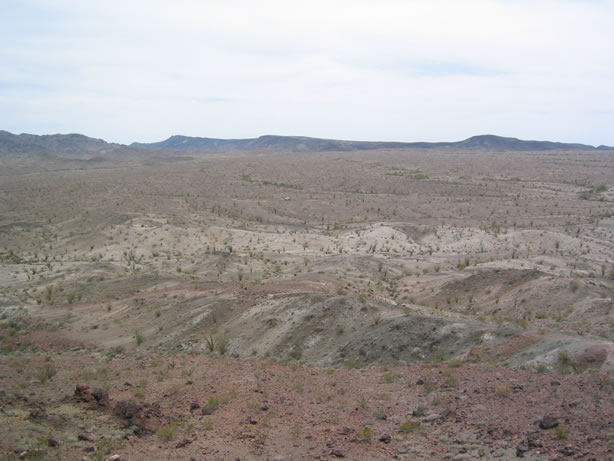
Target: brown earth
[(323, 284)]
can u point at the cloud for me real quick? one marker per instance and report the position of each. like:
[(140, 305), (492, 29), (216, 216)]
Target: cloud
[(402, 70)]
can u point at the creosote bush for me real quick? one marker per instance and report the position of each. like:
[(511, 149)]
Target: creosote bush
[(409, 427), (46, 373), (169, 432)]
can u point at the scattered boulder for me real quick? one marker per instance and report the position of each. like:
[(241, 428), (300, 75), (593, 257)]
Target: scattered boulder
[(386, 438), (95, 397), (568, 450), (183, 443), (37, 412), (592, 357), (127, 409), (521, 450), (83, 392), (101, 396), (548, 422), (52, 442), (146, 418), (533, 441)]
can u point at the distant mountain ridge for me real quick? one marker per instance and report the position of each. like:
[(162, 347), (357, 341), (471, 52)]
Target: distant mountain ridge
[(69, 145), (270, 143), (80, 146)]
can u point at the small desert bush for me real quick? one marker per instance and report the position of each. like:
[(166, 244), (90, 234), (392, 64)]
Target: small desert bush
[(564, 363), (210, 344), (390, 377), (409, 427), (352, 363), (450, 381), (213, 403), (365, 434), (379, 414), (187, 372), (111, 353), (541, 368), (169, 432), (419, 411), (222, 346), (561, 431), (207, 424), (105, 447), (503, 390), (46, 373), (428, 386), (216, 401), (437, 356), (138, 337)]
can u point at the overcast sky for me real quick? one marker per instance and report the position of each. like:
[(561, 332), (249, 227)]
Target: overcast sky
[(423, 70)]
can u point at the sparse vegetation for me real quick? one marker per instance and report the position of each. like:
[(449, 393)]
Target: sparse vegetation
[(46, 373), (169, 432), (138, 337), (561, 431), (409, 427), (242, 271)]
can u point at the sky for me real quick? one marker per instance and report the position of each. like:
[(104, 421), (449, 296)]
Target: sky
[(388, 70)]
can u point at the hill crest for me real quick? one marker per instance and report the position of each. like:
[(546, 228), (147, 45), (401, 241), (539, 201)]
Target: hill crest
[(78, 145)]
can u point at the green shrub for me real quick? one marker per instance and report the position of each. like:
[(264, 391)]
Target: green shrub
[(352, 363), (365, 434), (409, 426), (169, 432), (389, 377), (564, 362), (503, 390), (222, 346), (428, 386), (46, 373), (213, 403), (210, 344), (419, 411), (561, 431), (139, 338)]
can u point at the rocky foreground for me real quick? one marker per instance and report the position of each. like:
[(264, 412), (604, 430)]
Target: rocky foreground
[(72, 403)]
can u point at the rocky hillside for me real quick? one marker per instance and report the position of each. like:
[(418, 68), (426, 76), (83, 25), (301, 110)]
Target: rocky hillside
[(55, 145), (80, 146), (304, 144)]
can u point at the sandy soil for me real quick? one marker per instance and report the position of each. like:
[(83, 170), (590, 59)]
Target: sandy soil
[(309, 281)]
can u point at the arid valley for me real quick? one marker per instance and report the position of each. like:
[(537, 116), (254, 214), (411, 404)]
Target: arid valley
[(392, 303)]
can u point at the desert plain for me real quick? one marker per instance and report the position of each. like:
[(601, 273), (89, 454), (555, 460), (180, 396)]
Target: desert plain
[(379, 304)]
